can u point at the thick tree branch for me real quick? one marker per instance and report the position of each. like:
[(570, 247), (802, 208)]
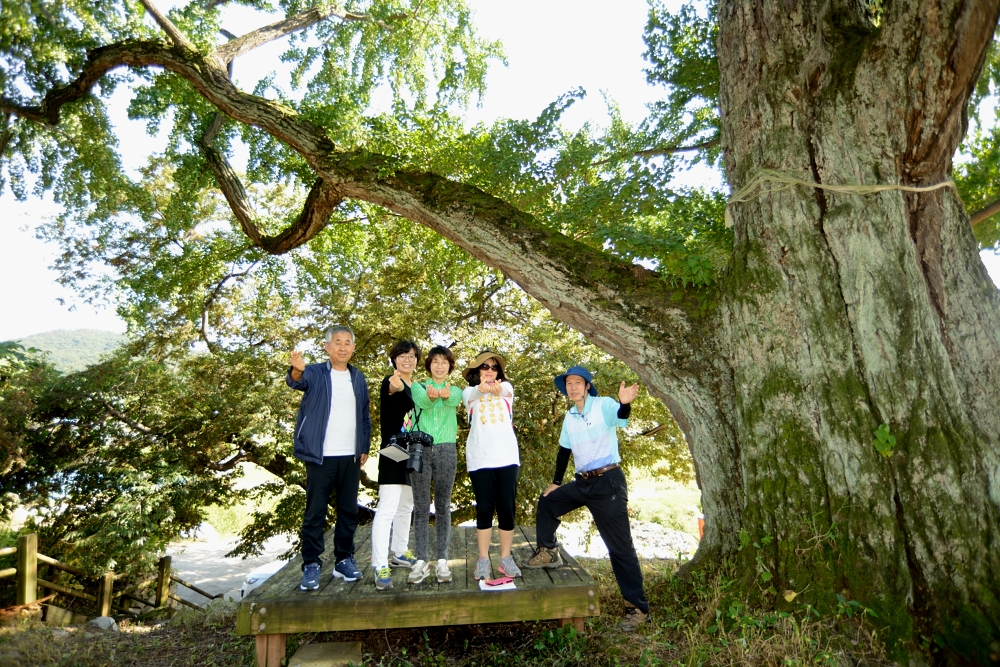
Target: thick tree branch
[(279, 29), (122, 417), (610, 300), (6, 133), (985, 213), (323, 198), (167, 25), (232, 189)]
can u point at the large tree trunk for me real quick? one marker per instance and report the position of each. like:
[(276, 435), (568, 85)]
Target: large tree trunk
[(844, 311)]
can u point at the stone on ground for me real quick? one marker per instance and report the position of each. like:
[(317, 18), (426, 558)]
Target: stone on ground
[(102, 623)]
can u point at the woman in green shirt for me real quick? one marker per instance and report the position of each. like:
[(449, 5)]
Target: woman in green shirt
[(438, 401)]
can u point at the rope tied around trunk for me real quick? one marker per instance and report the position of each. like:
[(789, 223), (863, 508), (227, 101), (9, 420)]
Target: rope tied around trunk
[(783, 181)]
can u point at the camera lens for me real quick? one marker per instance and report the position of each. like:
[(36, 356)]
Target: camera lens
[(416, 461)]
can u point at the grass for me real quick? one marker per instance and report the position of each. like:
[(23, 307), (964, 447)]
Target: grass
[(671, 504), (694, 622)]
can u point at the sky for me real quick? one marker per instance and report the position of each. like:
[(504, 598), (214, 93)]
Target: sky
[(552, 47)]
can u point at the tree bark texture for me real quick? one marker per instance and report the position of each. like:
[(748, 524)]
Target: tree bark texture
[(843, 312), (837, 313)]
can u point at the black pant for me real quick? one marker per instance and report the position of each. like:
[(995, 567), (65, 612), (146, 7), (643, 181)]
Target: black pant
[(606, 496), (496, 491), (338, 475)]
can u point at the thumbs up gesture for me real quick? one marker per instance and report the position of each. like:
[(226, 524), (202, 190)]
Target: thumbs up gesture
[(297, 362), (432, 392)]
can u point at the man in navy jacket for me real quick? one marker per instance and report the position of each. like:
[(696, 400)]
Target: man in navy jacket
[(333, 433)]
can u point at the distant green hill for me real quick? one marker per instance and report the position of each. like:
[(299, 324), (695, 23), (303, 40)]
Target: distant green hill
[(74, 350)]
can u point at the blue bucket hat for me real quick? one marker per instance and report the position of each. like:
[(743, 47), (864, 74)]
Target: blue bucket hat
[(576, 370)]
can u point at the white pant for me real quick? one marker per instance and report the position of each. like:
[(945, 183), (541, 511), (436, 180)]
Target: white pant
[(395, 504)]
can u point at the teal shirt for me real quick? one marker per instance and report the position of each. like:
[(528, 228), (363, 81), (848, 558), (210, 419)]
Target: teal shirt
[(439, 417)]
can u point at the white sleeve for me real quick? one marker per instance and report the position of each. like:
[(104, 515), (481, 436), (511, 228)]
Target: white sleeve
[(469, 394), (508, 390)]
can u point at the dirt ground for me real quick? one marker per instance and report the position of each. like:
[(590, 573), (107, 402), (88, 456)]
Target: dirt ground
[(202, 562)]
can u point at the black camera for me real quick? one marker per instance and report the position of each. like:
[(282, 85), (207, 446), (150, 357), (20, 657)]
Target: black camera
[(414, 443)]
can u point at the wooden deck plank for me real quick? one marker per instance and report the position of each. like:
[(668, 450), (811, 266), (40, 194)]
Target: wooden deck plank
[(335, 586), (340, 606), (458, 560), (472, 555), (577, 568), (495, 552), (289, 574), (287, 579)]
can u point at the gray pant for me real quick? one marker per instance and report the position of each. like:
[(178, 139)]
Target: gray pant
[(439, 466)]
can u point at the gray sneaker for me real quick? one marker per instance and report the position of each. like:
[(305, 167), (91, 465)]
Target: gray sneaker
[(509, 568), (420, 571), (482, 569)]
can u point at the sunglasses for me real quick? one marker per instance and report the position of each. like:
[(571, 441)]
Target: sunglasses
[(489, 367)]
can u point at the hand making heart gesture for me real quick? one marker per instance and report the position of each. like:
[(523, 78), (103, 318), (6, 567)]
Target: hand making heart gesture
[(395, 382)]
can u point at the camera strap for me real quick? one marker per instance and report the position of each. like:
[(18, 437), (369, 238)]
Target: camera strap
[(416, 412)]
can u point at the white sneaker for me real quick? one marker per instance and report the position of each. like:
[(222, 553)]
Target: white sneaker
[(442, 572), (420, 571)]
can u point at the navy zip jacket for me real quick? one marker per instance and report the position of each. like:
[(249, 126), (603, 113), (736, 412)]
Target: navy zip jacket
[(314, 412)]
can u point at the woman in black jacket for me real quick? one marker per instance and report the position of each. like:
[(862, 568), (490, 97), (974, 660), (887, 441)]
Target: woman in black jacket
[(395, 498)]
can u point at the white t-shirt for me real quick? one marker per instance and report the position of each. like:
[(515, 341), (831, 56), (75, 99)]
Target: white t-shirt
[(341, 429), (491, 443)]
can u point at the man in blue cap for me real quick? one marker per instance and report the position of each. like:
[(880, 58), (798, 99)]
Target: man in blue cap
[(589, 433)]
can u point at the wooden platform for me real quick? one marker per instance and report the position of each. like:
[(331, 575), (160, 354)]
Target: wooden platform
[(279, 607)]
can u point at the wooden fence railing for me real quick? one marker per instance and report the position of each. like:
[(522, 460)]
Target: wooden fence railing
[(27, 582)]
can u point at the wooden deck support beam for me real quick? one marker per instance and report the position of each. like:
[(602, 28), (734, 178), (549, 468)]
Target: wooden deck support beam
[(270, 650)]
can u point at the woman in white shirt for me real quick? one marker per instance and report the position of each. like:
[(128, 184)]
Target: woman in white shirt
[(492, 458)]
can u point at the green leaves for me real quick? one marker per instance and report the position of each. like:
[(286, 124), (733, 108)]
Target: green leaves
[(884, 442)]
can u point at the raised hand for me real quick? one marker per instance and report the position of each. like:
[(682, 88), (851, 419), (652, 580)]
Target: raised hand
[(445, 393), (627, 394), (432, 392), (298, 363)]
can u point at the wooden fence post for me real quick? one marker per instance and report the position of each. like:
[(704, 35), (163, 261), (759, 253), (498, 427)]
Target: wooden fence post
[(105, 590), (163, 582), (27, 568)]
